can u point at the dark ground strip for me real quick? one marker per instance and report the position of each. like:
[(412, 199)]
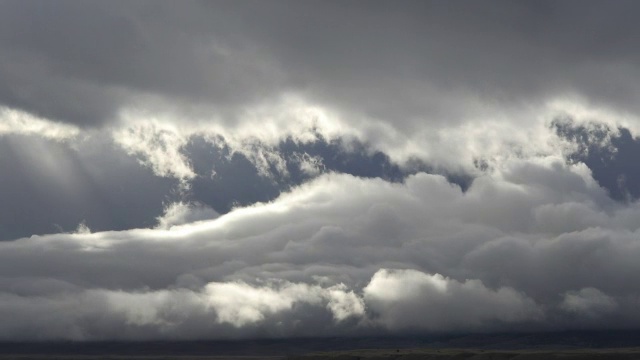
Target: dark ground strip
[(467, 354), (548, 345)]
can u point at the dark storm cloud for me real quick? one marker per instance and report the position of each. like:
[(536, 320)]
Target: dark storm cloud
[(384, 56), (79, 62), (83, 61)]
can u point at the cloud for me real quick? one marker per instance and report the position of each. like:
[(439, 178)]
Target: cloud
[(180, 213), (421, 80), (345, 255), (159, 149), (232, 308), (22, 123), (412, 299), (114, 185), (589, 302), (249, 173), (241, 304)]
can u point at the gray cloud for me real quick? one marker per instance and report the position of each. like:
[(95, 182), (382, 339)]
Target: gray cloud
[(81, 62), (443, 83)]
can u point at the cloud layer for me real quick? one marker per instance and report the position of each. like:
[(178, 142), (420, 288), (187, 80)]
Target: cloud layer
[(537, 244)]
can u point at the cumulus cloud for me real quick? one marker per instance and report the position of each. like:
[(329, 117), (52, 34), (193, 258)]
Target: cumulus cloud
[(412, 299), (346, 255)]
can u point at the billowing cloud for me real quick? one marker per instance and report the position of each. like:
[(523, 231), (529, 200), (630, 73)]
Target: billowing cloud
[(346, 255), (411, 299)]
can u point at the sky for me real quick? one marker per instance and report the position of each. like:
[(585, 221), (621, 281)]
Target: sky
[(275, 169)]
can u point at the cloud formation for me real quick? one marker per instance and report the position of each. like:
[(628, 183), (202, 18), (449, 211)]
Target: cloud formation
[(249, 169), (527, 246)]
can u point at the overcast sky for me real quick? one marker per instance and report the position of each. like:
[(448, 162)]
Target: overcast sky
[(251, 169)]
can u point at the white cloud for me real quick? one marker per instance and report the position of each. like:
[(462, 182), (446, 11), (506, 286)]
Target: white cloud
[(485, 131), (240, 304), (14, 121), (409, 299), (344, 303), (309, 165), (158, 146), (180, 213)]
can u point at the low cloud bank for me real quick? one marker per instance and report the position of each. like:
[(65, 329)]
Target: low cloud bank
[(534, 244)]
